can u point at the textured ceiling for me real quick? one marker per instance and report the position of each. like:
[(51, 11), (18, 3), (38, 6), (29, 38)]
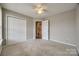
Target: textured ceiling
[(27, 8)]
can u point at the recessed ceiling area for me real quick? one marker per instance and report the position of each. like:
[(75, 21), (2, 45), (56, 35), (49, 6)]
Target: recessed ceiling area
[(27, 8)]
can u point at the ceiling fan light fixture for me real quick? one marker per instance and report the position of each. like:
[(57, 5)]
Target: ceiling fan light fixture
[(40, 12), (40, 8)]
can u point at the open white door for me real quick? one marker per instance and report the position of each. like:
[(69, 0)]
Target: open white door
[(45, 29)]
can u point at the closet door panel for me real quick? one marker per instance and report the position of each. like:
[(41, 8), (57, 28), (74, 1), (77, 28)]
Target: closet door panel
[(16, 30)]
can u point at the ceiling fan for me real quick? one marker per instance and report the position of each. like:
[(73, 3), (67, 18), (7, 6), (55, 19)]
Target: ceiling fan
[(40, 8)]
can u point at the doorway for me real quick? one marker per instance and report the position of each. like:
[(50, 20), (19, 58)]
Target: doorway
[(38, 29), (41, 29)]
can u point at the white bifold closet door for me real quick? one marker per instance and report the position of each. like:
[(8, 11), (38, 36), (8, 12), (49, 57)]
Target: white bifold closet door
[(0, 29), (45, 30), (16, 30)]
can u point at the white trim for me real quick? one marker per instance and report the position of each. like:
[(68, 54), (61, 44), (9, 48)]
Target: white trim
[(0, 23), (64, 43), (33, 29)]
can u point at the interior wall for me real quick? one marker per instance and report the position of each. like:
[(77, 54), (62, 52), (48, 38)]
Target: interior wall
[(62, 27), (20, 16), (30, 27), (77, 26)]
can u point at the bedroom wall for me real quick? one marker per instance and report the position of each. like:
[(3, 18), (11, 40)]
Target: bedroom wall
[(20, 16), (62, 27), (77, 26), (30, 27)]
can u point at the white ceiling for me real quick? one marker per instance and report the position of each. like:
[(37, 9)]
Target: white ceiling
[(27, 8)]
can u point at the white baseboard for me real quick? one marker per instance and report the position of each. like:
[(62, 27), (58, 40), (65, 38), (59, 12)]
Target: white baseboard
[(64, 43)]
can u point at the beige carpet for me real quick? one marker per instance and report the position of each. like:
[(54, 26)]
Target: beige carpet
[(39, 48)]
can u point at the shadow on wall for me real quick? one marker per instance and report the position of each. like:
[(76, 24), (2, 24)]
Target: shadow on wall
[(0, 41), (3, 42)]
